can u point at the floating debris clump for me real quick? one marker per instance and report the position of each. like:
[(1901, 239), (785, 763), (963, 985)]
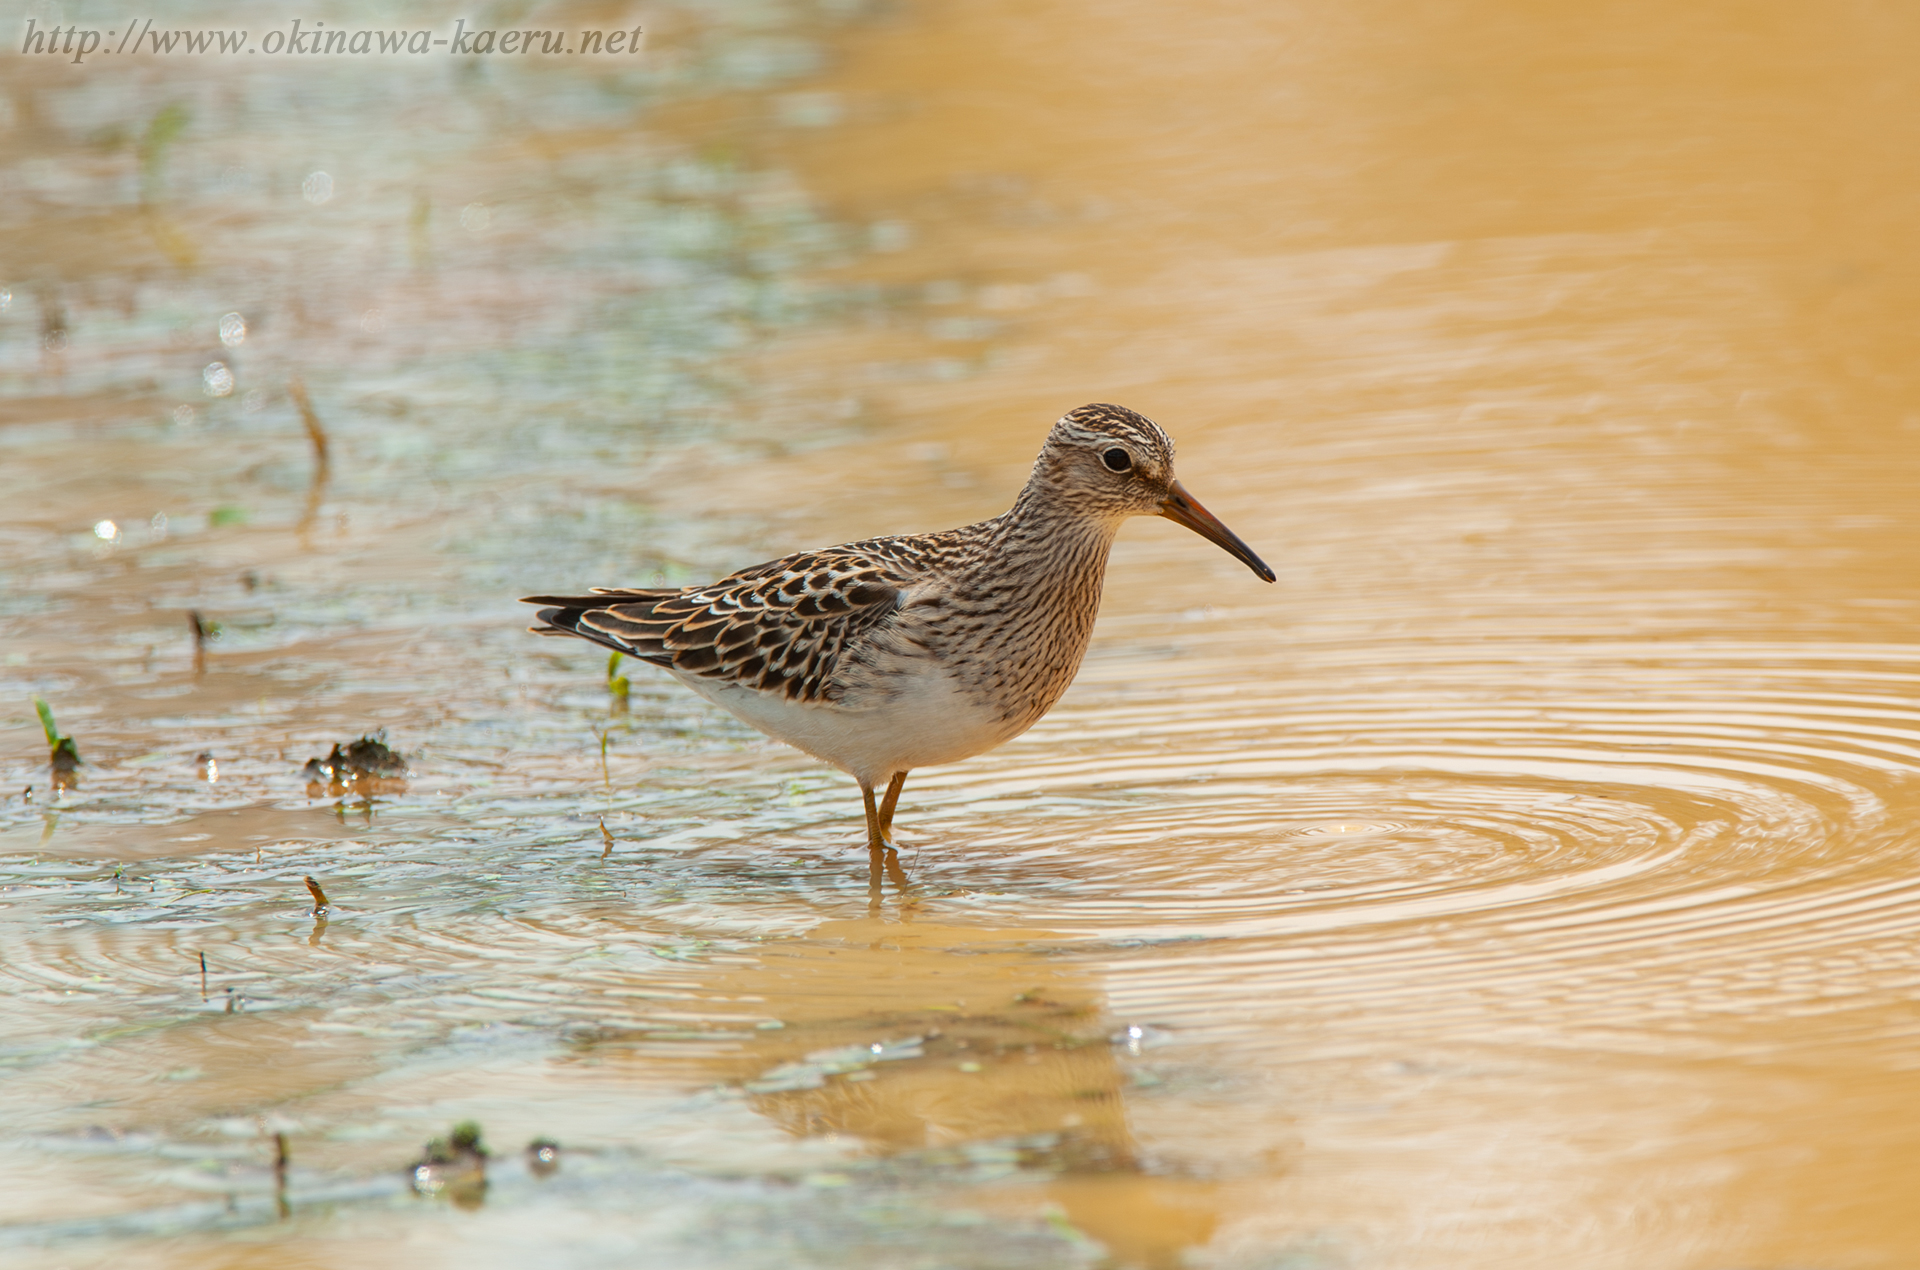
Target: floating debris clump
[(454, 1166), (367, 765)]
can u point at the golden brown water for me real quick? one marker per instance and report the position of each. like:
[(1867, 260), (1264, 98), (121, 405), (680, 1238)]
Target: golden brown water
[(1526, 879)]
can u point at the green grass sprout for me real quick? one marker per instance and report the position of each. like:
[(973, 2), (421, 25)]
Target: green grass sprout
[(617, 684), (162, 131), (61, 751)]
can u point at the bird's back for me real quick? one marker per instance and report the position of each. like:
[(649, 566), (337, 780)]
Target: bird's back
[(967, 635)]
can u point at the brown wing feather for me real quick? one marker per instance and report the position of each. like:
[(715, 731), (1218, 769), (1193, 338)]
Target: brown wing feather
[(780, 627)]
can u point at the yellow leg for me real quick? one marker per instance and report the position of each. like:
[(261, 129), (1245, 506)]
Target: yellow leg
[(880, 817), (887, 804), (883, 858), (876, 836)]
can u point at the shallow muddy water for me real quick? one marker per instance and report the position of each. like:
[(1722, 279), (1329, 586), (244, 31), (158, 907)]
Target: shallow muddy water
[(1526, 879)]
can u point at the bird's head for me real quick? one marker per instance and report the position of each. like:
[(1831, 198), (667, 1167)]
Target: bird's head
[(1109, 462)]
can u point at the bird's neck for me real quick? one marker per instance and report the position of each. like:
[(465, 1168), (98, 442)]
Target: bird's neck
[(1052, 538), (1028, 605)]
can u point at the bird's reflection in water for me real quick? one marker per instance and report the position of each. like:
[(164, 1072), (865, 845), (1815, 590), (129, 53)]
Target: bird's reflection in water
[(951, 1055), (884, 862)]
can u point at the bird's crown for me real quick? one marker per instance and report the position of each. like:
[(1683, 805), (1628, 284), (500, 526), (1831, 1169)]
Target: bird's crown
[(1098, 424)]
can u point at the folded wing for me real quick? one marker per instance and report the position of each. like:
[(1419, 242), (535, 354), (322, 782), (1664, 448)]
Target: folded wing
[(782, 627)]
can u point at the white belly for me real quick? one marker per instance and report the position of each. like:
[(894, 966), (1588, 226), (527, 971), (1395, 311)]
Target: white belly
[(931, 721)]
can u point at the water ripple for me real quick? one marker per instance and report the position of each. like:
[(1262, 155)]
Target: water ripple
[(1680, 835)]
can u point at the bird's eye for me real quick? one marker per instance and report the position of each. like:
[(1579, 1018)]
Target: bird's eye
[(1117, 460)]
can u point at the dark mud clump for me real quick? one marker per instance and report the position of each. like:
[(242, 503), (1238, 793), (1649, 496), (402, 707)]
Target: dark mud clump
[(367, 765), (454, 1166)]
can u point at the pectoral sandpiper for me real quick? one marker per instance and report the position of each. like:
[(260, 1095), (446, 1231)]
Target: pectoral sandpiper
[(905, 651)]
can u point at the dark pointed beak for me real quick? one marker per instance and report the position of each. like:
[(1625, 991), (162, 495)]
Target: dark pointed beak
[(1181, 508)]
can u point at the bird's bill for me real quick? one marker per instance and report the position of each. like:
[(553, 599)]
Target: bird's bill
[(1182, 508)]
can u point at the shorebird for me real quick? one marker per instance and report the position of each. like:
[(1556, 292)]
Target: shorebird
[(900, 652)]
